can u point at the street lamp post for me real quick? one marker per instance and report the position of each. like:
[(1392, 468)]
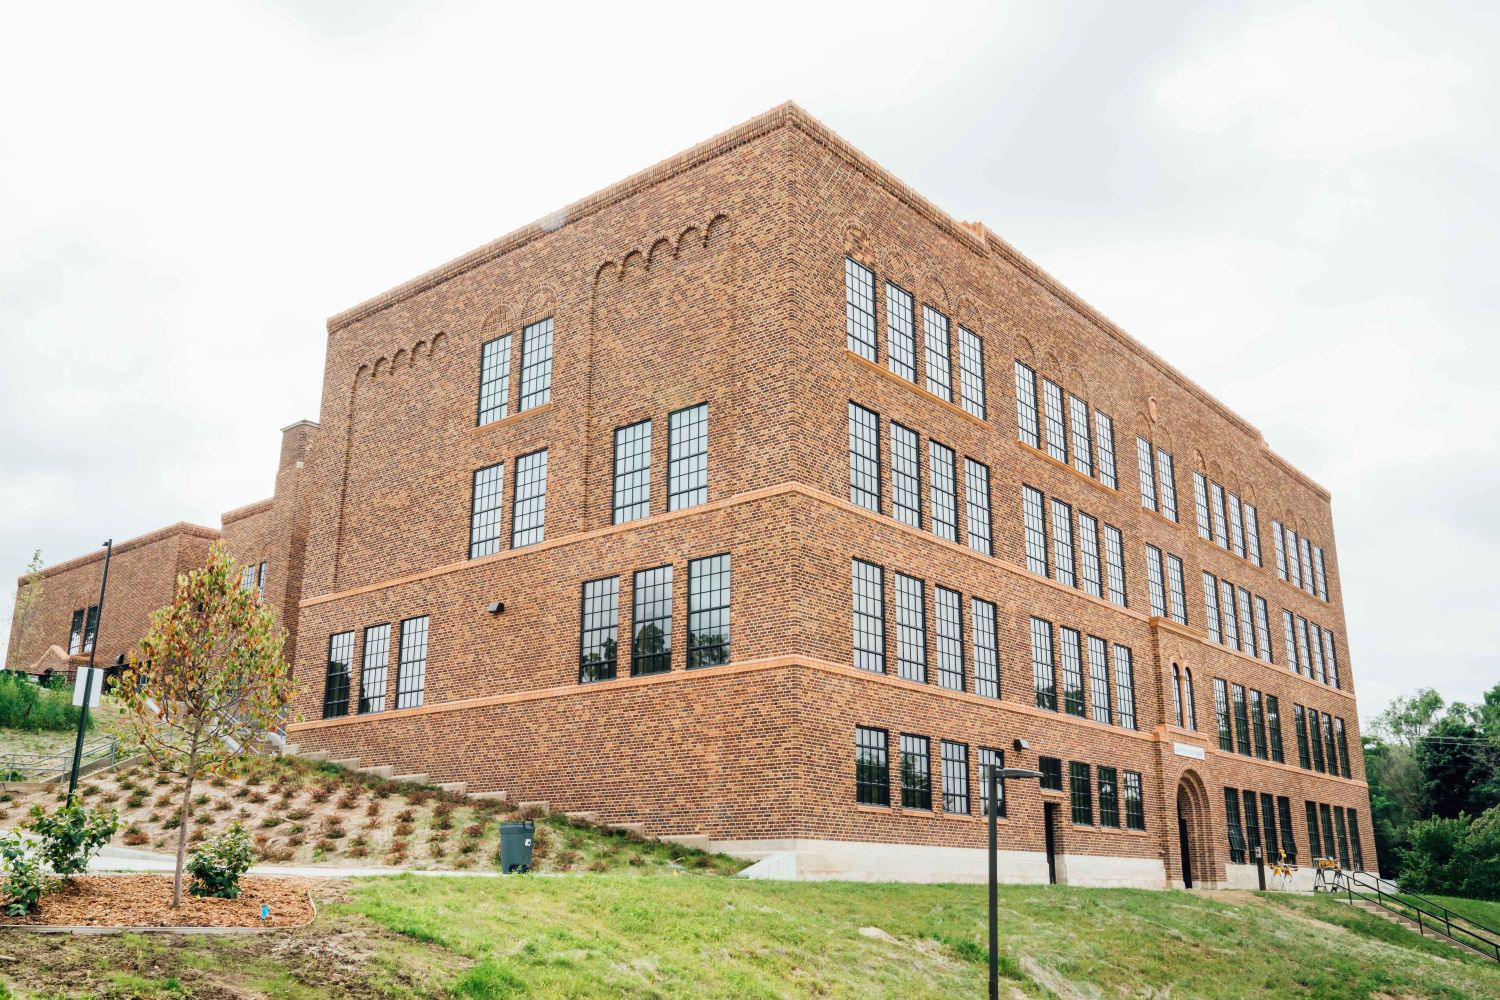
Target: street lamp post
[(995, 774), (88, 680)]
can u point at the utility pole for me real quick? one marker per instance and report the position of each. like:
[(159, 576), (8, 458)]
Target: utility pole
[(992, 778), (88, 681)]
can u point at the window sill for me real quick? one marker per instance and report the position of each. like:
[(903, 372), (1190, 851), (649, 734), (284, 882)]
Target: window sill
[(1040, 453), (514, 418), (931, 397)]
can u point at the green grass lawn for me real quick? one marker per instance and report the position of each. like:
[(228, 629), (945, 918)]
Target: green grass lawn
[(665, 936), (106, 720)]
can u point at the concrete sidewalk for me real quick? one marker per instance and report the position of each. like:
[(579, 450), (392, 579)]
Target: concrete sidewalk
[(125, 859)]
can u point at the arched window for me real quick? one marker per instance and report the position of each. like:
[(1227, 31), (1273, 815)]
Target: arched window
[(1192, 711), (1176, 695)]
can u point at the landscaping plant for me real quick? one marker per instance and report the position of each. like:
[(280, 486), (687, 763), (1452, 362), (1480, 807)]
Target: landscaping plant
[(25, 880), (216, 867), (206, 681), (71, 835)]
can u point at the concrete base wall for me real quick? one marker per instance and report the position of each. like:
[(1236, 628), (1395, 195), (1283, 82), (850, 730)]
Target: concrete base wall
[(812, 860)]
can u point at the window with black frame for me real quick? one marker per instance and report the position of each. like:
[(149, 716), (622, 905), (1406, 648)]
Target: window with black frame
[(986, 649), (1080, 784), (859, 309), (1027, 427), (336, 683), (911, 629), (900, 332), (948, 614), (651, 627), (864, 457), (872, 773), (868, 593), (955, 778), (1042, 671), (1135, 802), (708, 611), (990, 757), (1051, 779), (494, 380), (536, 364), (374, 669), (687, 460), (1109, 797), (411, 665), (906, 476), (484, 510), (1232, 824), (632, 496), (599, 630), (916, 772), (528, 514)]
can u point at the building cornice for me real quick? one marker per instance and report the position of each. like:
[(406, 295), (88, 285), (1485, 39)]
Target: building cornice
[(181, 528), (250, 509)]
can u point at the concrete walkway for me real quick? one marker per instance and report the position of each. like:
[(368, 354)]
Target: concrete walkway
[(124, 859)]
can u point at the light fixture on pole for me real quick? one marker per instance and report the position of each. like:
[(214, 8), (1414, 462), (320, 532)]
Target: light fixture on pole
[(88, 681), (992, 780)]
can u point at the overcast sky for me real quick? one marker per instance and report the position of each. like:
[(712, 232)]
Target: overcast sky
[(1296, 204)]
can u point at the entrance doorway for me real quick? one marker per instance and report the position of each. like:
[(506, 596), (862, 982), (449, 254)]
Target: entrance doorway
[(1193, 837), (1049, 819), (1184, 847)]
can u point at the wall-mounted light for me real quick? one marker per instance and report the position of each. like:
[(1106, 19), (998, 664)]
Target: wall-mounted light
[(497, 607), (1021, 744)]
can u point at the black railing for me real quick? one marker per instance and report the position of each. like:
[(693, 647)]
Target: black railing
[(1425, 913), (54, 766)]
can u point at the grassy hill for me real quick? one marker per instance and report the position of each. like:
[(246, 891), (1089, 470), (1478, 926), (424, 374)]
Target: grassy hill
[(687, 935)]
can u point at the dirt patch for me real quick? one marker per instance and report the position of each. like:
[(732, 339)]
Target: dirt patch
[(145, 901)]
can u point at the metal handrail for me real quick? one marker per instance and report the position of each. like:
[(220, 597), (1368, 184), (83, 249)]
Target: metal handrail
[(1405, 896), (46, 767), (1486, 946)]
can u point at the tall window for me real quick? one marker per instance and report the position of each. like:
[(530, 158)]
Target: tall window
[(943, 491), (869, 616), (906, 476), (1146, 468), (1211, 607), (651, 627), (950, 638), (1284, 820), (373, 672), (247, 577), (599, 630), (986, 649), (528, 515), (1109, 797), (484, 515), (1273, 725), (1314, 842), (859, 308), (1241, 719), (1343, 836), (1166, 478), (1330, 745), (1051, 779), (971, 373), (1125, 686), (900, 333), (1280, 547), (1293, 567), (75, 634), (1155, 585), (955, 778), (687, 466), (1262, 631), (872, 769), (708, 611), (1135, 807), (336, 685), (1252, 533), (1226, 612), (864, 457), (1252, 825), (90, 628), (939, 351), (911, 629), (632, 472), (1190, 698), (1200, 502), (1035, 518), (1302, 655), (977, 501), (260, 580), (494, 380), (1307, 572), (1236, 527), (1080, 785), (1359, 854), (916, 772), (1289, 637), (1176, 695), (1099, 681), (1057, 431), (1072, 671), (1026, 411), (1320, 582), (1083, 453), (1104, 437), (1088, 551), (1333, 663), (1268, 824), (1114, 565), (1216, 510), (1315, 646), (1062, 543), (411, 666), (1299, 723), (1177, 603), (991, 758), (1221, 715), (1043, 675), (536, 364), (1258, 725), (1232, 820)]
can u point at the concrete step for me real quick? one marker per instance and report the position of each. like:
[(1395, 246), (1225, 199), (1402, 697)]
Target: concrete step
[(580, 817), (495, 796), (454, 787), (290, 749), (540, 805), (410, 779), (379, 771), (313, 755), (1424, 928), (697, 841), (347, 763), (639, 829)]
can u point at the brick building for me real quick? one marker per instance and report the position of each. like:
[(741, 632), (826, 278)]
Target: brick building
[(754, 499)]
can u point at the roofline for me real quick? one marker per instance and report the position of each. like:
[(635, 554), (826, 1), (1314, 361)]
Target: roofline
[(150, 538), (240, 513), (976, 236), (304, 422)]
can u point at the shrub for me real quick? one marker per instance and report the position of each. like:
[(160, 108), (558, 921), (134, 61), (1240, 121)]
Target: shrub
[(25, 880), (29, 706), (216, 867), (134, 836), (373, 809), (1454, 857), (72, 835)]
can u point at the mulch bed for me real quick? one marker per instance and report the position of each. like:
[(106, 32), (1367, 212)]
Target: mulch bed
[(145, 901)]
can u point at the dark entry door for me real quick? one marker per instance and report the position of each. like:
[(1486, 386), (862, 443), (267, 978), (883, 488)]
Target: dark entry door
[(1050, 823), (1184, 850)]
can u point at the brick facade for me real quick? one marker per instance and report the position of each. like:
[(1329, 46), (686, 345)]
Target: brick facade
[(718, 278)]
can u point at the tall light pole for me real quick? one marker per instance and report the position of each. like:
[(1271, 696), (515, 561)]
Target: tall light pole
[(992, 779), (88, 680)]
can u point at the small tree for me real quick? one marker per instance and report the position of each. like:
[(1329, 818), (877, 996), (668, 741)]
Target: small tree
[(26, 602), (206, 681)]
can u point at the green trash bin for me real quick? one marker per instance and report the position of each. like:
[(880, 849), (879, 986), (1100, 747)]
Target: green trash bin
[(515, 846)]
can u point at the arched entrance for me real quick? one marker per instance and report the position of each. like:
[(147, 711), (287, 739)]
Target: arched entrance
[(1193, 831)]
